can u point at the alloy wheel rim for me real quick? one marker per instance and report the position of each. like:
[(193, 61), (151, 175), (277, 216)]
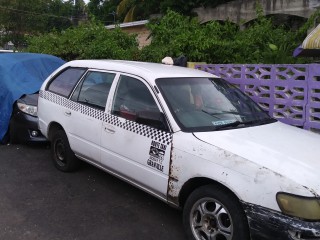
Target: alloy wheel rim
[(210, 220)]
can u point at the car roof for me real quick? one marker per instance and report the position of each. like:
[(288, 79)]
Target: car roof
[(146, 70)]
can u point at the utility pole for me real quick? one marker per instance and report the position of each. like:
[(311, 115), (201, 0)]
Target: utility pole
[(76, 11), (113, 13)]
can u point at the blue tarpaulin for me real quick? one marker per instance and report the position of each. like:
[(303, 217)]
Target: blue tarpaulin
[(21, 73)]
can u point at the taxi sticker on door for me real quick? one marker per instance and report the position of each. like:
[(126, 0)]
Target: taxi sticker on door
[(156, 155)]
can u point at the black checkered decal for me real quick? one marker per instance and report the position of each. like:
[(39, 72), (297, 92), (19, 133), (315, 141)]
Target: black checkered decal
[(149, 132)]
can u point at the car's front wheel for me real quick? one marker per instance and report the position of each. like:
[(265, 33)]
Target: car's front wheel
[(64, 158), (13, 139), (213, 213)]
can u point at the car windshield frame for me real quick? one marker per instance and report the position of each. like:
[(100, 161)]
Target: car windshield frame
[(233, 109)]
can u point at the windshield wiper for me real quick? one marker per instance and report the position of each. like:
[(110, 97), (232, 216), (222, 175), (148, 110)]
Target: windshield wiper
[(223, 112), (211, 114), (260, 121), (232, 124), (247, 123), (230, 112)]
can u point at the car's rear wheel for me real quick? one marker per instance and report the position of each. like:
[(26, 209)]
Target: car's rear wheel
[(63, 157), (213, 213)]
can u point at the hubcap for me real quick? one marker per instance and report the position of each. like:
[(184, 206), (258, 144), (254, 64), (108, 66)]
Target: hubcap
[(210, 220)]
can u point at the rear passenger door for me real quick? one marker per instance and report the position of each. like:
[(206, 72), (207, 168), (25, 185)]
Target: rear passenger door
[(85, 120), (138, 150)]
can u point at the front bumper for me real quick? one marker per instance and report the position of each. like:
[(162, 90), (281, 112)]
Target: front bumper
[(22, 125), (267, 224)]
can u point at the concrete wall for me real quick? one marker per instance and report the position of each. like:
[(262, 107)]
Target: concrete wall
[(288, 92), (139, 28), (142, 34), (242, 11)]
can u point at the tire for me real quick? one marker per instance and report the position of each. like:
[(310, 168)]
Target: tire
[(63, 157), (5, 139), (212, 213), (13, 139)]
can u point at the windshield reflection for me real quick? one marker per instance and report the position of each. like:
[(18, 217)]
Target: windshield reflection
[(203, 104)]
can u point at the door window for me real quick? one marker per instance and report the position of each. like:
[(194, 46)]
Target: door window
[(133, 98), (94, 89)]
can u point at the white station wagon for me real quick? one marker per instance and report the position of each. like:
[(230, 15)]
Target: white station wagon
[(190, 139)]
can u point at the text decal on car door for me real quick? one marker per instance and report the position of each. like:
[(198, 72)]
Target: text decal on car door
[(156, 155)]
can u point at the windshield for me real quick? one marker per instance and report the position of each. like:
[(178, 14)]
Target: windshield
[(206, 104)]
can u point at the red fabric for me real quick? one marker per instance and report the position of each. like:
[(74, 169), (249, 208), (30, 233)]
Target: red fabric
[(198, 101)]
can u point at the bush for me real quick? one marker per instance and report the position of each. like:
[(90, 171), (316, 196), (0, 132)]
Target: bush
[(90, 41), (218, 42), (175, 35)]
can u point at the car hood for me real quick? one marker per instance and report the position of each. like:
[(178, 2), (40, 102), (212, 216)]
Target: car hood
[(30, 99), (286, 150)]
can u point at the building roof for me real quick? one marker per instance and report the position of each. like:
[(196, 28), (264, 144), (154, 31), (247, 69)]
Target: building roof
[(128, 24)]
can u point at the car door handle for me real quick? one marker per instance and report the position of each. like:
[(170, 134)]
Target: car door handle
[(67, 113), (109, 130)]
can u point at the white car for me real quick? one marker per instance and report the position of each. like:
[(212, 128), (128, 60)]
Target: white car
[(190, 139)]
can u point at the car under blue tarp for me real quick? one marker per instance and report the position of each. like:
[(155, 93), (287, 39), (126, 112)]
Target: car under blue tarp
[(20, 74)]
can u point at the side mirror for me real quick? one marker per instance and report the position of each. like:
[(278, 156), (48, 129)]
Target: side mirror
[(152, 119)]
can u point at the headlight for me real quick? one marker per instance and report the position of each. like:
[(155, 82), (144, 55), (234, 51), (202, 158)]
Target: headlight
[(307, 208), (28, 109)]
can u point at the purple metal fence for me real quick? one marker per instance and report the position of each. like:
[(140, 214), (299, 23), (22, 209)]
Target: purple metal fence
[(290, 93)]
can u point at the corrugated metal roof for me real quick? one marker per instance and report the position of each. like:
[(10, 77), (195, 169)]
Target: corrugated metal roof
[(128, 24)]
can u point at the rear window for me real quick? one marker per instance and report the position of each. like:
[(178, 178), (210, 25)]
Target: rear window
[(64, 83)]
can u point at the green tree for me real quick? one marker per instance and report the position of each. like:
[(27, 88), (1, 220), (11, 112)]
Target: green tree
[(186, 7), (87, 41), (103, 11), (19, 18), (175, 35), (133, 10), (215, 42), (59, 14)]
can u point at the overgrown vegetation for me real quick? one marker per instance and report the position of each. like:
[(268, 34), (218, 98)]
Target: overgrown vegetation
[(20, 18), (133, 10), (222, 43), (175, 35), (88, 41)]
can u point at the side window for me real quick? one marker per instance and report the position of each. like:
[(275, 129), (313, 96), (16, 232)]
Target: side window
[(64, 83), (94, 89), (133, 98)]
